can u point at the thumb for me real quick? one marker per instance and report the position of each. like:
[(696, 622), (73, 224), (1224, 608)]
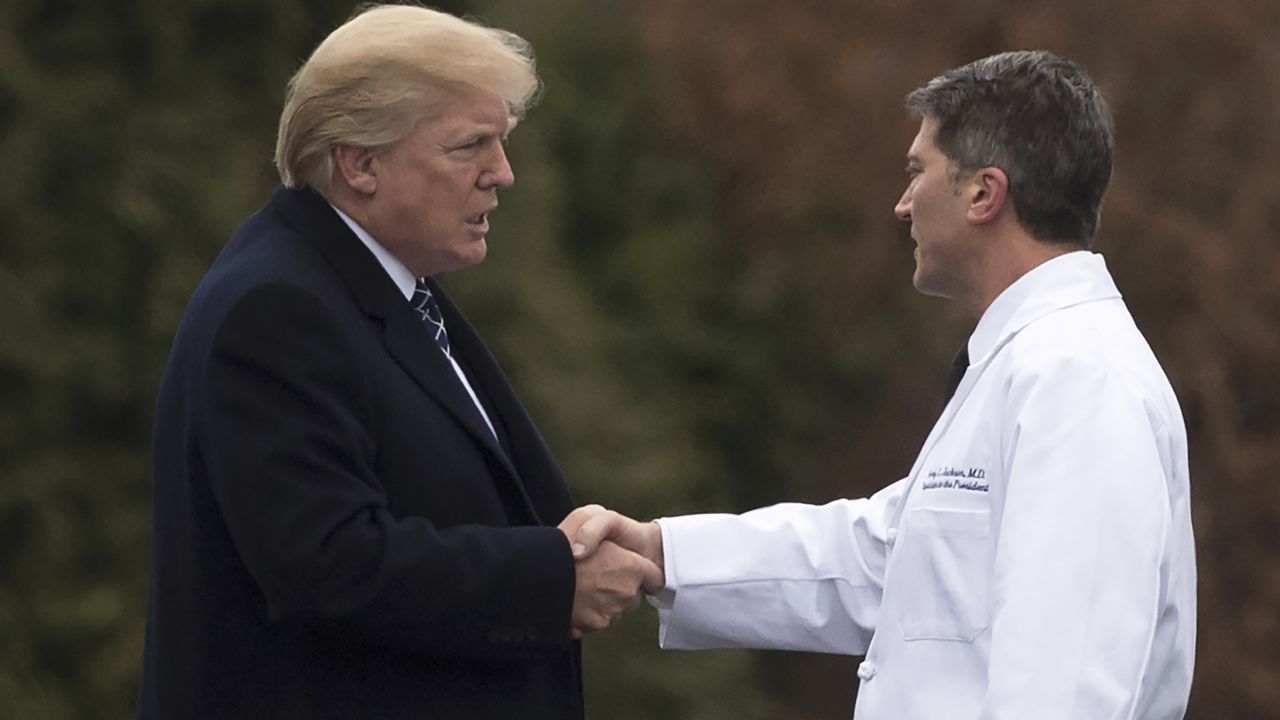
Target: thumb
[(574, 520), (602, 526)]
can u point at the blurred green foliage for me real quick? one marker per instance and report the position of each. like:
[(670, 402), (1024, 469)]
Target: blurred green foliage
[(137, 134)]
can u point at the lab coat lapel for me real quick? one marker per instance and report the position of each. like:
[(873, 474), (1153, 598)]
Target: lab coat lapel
[(1060, 283), (944, 421)]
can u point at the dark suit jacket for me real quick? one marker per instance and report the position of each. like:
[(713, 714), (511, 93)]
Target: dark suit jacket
[(337, 534)]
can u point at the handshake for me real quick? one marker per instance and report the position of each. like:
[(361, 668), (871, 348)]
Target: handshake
[(615, 558)]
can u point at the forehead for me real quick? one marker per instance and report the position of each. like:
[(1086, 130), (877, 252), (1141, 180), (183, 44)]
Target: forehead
[(924, 145), (474, 110), (466, 113)]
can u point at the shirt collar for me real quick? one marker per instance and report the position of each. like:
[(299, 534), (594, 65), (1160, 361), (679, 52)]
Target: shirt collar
[(1063, 281), (400, 274)]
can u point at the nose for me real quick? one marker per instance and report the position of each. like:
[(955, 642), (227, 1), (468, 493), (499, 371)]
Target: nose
[(499, 173), (903, 208)]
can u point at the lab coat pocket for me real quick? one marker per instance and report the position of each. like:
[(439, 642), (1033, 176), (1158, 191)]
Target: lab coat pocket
[(944, 563)]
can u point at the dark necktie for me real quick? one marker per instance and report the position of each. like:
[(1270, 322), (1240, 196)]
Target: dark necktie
[(956, 373), (425, 304)]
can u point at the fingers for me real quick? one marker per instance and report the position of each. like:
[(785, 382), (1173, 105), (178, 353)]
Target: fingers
[(642, 538), (587, 622), (593, 531), (590, 619), (609, 525), (653, 578), (609, 584), (616, 559)]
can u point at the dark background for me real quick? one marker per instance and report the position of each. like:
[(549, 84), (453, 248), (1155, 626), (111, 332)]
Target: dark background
[(697, 284)]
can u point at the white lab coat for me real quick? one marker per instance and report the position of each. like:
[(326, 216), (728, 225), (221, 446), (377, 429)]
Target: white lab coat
[(1037, 563)]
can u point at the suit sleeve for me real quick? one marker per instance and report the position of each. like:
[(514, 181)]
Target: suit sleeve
[(786, 577), (1077, 573), (288, 435)]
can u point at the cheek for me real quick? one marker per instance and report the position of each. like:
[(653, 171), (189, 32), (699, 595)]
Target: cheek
[(927, 205), (919, 210)]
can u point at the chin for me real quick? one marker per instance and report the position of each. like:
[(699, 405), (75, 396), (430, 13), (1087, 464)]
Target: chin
[(927, 285), (459, 258), (918, 280), (473, 254)]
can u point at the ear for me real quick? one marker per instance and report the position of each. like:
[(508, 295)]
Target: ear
[(357, 167), (989, 190)]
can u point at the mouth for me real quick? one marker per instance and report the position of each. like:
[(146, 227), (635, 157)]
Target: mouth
[(480, 221)]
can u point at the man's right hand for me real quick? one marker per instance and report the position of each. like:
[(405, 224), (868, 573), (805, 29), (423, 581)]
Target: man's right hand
[(608, 584), (591, 525), (613, 561)]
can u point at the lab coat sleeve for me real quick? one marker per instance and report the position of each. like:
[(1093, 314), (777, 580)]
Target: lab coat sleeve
[(1077, 570), (786, 577)]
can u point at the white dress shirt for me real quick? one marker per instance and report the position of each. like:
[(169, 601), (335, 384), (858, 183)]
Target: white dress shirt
[(406, 282), (1037, 562)]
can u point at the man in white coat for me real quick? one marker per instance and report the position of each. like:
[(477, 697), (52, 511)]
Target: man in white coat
[(1037, 562)]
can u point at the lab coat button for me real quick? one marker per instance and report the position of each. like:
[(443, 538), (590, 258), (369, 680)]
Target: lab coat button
[(866, 670)]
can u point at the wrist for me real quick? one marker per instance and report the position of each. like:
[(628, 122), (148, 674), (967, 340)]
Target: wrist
[(655, 554)]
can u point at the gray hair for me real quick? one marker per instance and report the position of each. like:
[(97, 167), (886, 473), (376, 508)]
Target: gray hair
[(1040, 119), (372, 80)]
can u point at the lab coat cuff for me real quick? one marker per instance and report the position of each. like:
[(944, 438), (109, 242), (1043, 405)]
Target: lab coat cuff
[(665, 599)]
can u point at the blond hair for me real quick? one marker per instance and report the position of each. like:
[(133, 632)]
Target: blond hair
[(381, 73)]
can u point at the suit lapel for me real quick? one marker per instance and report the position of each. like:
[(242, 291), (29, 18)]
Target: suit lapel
[(409, 344), (405, 338), (528, 451)]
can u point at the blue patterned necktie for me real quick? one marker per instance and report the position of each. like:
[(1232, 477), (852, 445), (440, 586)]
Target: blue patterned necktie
[(425, 305)]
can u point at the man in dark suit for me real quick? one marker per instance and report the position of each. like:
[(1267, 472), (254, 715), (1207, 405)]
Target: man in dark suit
[(354, 516)]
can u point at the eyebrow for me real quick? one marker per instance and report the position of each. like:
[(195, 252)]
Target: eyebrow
[(472, 135)]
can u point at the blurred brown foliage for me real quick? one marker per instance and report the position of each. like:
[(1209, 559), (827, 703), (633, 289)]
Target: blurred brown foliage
[(800, 106)]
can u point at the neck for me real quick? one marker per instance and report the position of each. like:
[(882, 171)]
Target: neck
[(1013, 254), (346, 202)]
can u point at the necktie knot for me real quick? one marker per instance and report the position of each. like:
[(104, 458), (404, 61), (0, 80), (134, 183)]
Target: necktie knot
[(424, 303)]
